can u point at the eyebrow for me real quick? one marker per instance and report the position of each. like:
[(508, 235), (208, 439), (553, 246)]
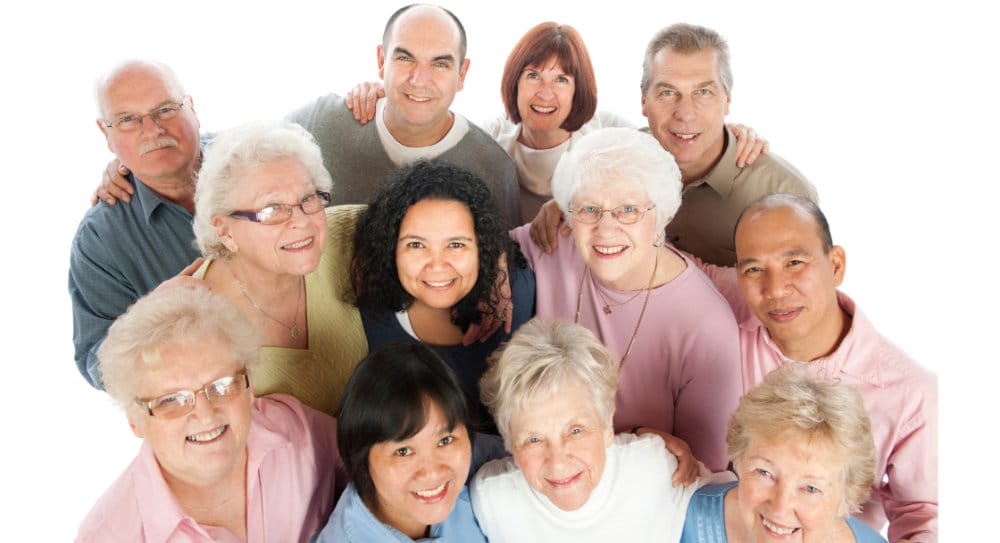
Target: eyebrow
[(703, 84), (449, 57), (157, 106), (797, 251)]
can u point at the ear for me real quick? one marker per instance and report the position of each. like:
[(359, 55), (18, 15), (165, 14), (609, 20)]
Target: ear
[(729, 100), (225, 238), (462, 70), (838, 259), (381, 62), (136, 428), (646, 113), (609, 433)]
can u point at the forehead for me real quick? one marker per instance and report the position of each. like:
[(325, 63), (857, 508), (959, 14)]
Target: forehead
[(425, 30), (186, 367), (570, 400), (274, 177), (437, 212), (137, 88), (671, 66), (608, 187), (781, 227), (797, 453)]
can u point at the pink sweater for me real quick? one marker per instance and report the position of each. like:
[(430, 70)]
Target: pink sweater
[(682, 375)]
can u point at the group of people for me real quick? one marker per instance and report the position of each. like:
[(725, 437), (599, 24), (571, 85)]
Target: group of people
[(386, 350)]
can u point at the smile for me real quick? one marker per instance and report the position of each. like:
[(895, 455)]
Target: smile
[(416, 98), (563, 483), (612, 250), (784, 315), (684, 136), (774, 528), (298, 244), (540, 109), (432, 495), (439, 284), (209, 436)]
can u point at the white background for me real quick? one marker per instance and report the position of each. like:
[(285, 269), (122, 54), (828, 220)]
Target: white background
[(886, 106)]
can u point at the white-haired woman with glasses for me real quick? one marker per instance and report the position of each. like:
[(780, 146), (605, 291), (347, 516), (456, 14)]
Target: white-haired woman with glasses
[(216, 463), (276, 253), (674, 336)]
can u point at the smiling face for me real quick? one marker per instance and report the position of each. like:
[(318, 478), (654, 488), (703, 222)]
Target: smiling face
[(422, 69), (789, 280), (619, 255), (417, 480), (293, 247), (437, 257), (686, 105), (559, 444), (792, 489), (545, 96), (159, 150), (207, 445)]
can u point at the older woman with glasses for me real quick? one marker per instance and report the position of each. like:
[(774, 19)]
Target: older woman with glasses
[(805, 457), (552, 392), (283, 260), (673, 334), (215, 460)]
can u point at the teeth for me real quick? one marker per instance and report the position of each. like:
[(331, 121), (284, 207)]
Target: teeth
[(208, 436), (439, 283), (685, 136), (417, 98), (432, 492), (541, 109), (298, 244), (609, 250), (777, 530)]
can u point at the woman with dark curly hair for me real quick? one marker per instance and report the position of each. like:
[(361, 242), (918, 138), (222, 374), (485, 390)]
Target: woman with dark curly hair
[(427, 253)]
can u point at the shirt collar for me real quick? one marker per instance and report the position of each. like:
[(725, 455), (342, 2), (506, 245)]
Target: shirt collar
[(722, 176)]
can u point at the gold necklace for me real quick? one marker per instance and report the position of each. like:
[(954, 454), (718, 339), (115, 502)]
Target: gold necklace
[(293, 329), (608, 305), (642, 312)]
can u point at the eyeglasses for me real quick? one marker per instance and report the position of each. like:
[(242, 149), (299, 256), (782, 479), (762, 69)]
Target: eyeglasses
[(279, 213), (624, 214), (181, 402), (130, 122)]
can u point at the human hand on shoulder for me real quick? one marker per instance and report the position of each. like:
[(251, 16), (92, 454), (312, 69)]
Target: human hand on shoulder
[(547, 226), (362, 98), (749, 144), (114, 185)]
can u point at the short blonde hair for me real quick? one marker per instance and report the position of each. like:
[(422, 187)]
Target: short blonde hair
[(542, 356), (789, 400), (165, 318), (227, 159), (619, 154)]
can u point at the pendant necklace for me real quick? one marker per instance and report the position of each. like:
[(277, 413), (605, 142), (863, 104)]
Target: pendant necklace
[(293, 328)]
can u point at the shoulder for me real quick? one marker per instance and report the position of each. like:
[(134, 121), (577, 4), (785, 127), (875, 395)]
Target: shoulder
[(342, 219), (862, 532), (478, 142), (771, 173), (606, 119), (645, 453), (288, 418), (352, 521), (324, 108), (495, 475)]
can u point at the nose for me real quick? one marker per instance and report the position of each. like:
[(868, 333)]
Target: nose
[(149, 126), (685, 109), (555, 451), (775, 285), (418, 75), (782, 498)]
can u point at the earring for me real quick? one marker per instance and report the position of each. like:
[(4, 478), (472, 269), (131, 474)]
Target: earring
[(660, 238), (229, 244)]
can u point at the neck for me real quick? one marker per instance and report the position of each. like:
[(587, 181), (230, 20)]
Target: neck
[(433, 326), (649, 274), (417, 136), (219, 503), (178, 188), (267, 289), (819, 343), (536, 139), (699, 168)]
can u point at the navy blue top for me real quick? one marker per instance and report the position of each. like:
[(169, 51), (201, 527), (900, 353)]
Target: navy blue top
[(469, 362)]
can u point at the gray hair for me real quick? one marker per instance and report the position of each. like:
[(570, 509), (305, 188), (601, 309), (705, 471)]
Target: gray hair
[(228, 158), (540, 357), (686, 39), (108, 78), (170, 317), (626, 154), (790, 401)]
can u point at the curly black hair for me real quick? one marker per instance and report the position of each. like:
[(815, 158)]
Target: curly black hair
[(375, 239)]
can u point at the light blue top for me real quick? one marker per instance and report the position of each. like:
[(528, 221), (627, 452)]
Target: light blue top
[(706, 519)]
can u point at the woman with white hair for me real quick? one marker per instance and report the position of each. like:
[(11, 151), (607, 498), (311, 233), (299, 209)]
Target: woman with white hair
[(216, 464), (276, 253), (673, 335), (805, 457), (552, 393)]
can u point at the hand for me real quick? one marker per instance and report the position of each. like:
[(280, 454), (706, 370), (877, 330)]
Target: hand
[(687, 464), (114, 185), (490, 321), (749, 145), (185, 278), (362, 98), (546, 224)]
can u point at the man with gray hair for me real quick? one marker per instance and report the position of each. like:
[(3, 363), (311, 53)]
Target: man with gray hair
[(121, 252), (687, 86), (422, 63)]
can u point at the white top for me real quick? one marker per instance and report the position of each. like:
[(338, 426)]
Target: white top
[(634, 500), (535, 166), (400, 154)]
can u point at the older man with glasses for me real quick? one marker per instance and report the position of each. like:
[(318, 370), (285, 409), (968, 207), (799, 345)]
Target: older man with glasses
[(121, 252), (216, 463)]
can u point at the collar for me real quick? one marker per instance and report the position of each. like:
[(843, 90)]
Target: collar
[(722, 177), (849, 358)]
